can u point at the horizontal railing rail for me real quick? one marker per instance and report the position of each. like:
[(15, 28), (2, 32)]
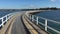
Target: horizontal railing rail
[(31, 17), (6, 18)]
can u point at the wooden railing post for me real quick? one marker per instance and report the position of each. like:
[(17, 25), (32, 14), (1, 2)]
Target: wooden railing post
[(6, 18), (2, 22), (32, 18), (45, 24), (37, 20)]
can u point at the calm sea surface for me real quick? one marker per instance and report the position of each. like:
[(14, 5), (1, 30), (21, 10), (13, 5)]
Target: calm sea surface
[(3, 13), (53, 14)]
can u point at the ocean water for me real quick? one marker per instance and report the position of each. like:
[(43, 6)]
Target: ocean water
[(53, 15), (3, 13)]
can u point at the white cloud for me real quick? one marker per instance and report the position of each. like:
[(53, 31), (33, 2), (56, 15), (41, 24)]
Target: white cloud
[(53, 0), (31, 6)]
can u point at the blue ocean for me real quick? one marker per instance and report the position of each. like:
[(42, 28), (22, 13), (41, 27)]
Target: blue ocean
[(3, 13), (53, 14)]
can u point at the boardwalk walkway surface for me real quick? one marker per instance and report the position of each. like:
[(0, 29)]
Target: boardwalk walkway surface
[(18, 27)]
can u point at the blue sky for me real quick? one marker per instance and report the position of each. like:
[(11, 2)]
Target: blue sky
[(20, 4)]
